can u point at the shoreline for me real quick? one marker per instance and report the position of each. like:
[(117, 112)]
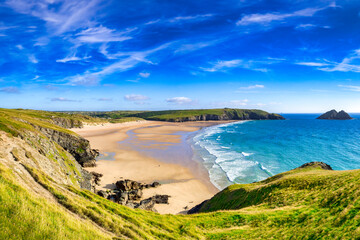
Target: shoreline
[(148, 151)]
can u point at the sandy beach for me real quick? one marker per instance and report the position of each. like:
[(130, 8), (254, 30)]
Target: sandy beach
[(128, 150)]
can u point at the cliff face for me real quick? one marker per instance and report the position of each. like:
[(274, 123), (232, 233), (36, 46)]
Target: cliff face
[(77, 146), (34, 141), (334, 115), (67, 122)]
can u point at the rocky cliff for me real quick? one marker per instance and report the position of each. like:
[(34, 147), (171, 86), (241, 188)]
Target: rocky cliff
[(67, 122), (334, 115), (77, 146), (35, 141)]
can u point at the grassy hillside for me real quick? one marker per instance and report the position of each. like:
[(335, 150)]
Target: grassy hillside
[(325, 203), (14, 121)]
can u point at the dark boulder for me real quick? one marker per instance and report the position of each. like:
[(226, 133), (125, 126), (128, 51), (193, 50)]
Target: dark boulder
[(103, 194), (96, 177), (161, 199), (126, 185), (155, 184), (147, 204), (135, 194), (122, 197)]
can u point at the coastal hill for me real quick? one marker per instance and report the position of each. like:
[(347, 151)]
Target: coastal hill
[(189, 115), (334, 115), (46, 194)]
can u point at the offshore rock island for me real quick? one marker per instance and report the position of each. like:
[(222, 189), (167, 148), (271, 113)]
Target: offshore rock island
[(334, 115)]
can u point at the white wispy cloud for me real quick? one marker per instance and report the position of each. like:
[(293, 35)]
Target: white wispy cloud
[(348, 64), (307, 26), (190, 47), (350, 88), (179, 100), (61, 99), (61, 16), (20, 47), (252, 87), (128, 61), (10, 90), (198, 17), (223, 65), (136, 98), (33, 59), (102, 34), (180, 19), (105, 99), (267, 18), (72, 58), (312, 64), (144, 74)]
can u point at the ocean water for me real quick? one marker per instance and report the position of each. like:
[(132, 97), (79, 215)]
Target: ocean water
[(250, 151)]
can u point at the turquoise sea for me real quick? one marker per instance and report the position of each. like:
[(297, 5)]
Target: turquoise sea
[(245, 152)]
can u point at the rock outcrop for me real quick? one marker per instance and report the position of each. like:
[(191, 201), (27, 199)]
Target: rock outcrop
[(67, 122), (77, 146), (129, 193), (334, 115), (322, 165)]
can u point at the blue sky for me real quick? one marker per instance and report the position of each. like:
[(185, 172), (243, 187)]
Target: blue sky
[(280, 56)]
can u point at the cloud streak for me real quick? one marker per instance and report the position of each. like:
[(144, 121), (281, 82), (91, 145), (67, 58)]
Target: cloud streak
[(61, 99), (348, 64), (267, 18), (136, 97), (11, 90), (224, 65), (252, 87), (350, 88), (129, 60), (179, 100), (61, 16)]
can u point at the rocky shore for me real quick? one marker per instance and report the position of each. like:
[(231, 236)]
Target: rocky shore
[(130, 193)]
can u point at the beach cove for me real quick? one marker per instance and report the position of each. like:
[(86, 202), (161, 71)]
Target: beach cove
[(148, 151)]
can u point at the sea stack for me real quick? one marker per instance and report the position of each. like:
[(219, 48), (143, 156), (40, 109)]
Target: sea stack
[(334, 115)]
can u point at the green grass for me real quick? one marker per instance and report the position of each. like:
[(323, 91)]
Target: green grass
[(325, 203), (25, 216)]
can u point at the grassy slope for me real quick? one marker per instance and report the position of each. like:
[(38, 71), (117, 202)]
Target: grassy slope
[(25, 216), (14, 121), (325, 203)]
